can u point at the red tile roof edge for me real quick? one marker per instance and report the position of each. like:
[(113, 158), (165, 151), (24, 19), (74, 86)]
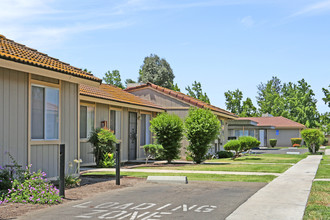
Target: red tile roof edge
[(183, 97), (257, 119)]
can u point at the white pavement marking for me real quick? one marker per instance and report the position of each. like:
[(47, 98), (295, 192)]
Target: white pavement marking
[(183, 171), (283, 198)]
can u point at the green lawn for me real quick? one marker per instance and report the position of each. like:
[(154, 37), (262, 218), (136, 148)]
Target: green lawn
[(264, 158), (266, 168), (196, 176), (324, 168), (318, 203)]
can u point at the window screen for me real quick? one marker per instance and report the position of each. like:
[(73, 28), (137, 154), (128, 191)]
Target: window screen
[(37, 112)]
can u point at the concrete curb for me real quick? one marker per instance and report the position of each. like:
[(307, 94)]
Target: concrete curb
[(168, 179)]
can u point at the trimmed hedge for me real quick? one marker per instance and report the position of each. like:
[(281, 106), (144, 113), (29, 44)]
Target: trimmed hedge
[(234, 145), (272, 142), (224, 154), (296, 141)]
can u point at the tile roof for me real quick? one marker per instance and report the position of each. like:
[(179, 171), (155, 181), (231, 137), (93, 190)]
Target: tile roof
[(277, 122), (114, 93), (11, 50), (183, 97)]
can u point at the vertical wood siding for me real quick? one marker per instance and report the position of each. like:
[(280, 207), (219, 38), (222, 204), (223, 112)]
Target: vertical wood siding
[(13, 116), (45, 158), (69, 123), (102, 114)]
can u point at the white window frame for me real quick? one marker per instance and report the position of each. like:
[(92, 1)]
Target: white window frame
[(94, 124), (121, 121), (45, 112)]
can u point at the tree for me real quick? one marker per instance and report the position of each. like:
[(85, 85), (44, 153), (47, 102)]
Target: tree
[(313, 138), (269, 97), (168, 129), (113, 78), (234, 101), (152, 151), (202, 127), (196, 92), (324, 123), (129, 81), (157, 71), (248, 109), (175, 87), (234, 104), (326, 98), (87, 71)]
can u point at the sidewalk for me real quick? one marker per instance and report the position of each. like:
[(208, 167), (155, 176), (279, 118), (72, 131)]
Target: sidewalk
[(83, 170), (283, 198)]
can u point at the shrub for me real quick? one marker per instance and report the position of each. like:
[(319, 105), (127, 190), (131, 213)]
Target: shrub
[(272, 142), (224, 154), (296, 145), (313, 139), (152, 151), (296, 141), (108, 160), (34, 189), (234, 145), (248, 142), (103, 141), (168, 129), (201, 127)]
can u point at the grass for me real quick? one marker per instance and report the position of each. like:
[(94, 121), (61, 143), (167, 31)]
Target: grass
[(195, 176), (324, 168), (264, 158), (266, 168), (318, 202)]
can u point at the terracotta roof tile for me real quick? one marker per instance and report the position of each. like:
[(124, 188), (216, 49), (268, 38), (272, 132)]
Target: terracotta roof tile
[(184, 98), (114, 93), (277, 122), (11, 50)]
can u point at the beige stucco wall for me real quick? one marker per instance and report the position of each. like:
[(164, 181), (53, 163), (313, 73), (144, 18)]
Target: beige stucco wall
[(284, 137)]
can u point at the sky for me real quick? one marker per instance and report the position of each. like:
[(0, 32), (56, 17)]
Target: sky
[(224, 44)]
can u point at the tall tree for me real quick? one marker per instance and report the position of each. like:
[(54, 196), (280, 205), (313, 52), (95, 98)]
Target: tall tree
[(248, 109), (196, 92), (235, 105), (269, 97), (113, 78), (326, 98), (234, 101), (129, 81), (175, 87), (157, 71)]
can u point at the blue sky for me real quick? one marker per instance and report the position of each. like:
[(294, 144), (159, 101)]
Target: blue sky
[(224, 44)]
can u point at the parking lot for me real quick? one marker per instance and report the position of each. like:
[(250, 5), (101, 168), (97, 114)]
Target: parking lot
[(195, 200)]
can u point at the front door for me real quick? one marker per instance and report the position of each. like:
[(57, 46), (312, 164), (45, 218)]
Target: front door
[(132, 134), (262, 138)]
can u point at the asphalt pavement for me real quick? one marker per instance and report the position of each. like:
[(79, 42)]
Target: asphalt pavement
[(195, 200)]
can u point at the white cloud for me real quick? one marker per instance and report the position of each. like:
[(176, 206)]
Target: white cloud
[(247, 21), (313, 9)]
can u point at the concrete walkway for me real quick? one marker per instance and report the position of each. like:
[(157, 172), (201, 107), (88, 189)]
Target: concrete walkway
[(327, 152), (283, 198), (84, 170)]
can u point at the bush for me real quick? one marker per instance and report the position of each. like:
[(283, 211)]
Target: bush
[(272, 142), (108, 160), (152, 151), (103, 141), (248, 142), (201, 127), (224, 154), (34, 189), (296, 141), (234, 145), (168, 129), (313, 139)]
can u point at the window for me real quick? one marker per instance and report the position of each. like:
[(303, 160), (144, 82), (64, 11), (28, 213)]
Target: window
[(44, 113), (145, 134), (86, 121), (115, 123)]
